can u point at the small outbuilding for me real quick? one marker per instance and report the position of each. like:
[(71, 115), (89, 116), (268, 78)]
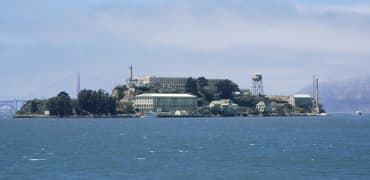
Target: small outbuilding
[(301, 100)]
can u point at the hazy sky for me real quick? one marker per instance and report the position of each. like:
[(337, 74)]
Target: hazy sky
[(44, 43)]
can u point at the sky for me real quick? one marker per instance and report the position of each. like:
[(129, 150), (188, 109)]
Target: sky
[(45, 43)]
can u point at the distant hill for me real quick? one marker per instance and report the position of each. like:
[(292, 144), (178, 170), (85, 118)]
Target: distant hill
[(344, 96)]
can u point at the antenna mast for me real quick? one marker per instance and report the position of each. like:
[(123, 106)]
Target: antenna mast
[(131, 72), (316, 94), (78, 83)]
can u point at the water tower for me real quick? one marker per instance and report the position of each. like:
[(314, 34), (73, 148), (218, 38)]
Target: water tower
[(257, 84)]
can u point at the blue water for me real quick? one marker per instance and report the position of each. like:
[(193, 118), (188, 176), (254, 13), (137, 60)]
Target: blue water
[(335, 147)]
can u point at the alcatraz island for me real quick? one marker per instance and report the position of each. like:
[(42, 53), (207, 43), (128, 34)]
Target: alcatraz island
[(150, 96)]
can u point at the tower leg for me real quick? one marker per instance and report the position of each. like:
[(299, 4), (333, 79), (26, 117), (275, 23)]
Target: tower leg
[(16, 107)]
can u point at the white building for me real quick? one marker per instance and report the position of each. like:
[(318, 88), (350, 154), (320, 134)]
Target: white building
[(169, 103), (301, 100), (261, 107), (224, 105)]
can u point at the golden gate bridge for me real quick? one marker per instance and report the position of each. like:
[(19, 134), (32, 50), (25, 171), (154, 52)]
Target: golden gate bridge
[(11, 106)]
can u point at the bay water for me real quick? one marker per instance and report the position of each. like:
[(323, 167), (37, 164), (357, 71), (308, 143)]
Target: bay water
[(334, 147)]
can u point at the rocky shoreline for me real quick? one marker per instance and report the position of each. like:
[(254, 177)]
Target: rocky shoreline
[(160, 116)]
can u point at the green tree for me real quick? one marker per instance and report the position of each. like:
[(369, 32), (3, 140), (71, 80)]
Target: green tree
[(86, 101), (191, 86), (34, 106), (96, 102), (110, 105), (202, 82), (226, 88), (51, 105), (60, 105), (128, 108), (203, 95)]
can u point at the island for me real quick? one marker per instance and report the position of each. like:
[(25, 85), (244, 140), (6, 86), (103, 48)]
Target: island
[(174, 97)]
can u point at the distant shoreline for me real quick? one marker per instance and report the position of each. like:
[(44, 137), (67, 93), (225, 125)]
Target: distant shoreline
[(135, 116)]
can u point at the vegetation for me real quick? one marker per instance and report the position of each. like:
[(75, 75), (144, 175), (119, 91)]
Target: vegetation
[(35, 106), (191, 86), (226, 88), (206, 93), (126, 108), (219, 112), (250, 101), (96, 102), (60, 105), (89, 102)]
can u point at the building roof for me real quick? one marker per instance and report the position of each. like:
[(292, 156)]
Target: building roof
[(155, 77), (221, 101), (168, 77), (302, 96), (166, 95)]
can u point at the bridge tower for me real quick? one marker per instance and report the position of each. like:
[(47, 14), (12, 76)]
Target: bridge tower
[(11, 106)]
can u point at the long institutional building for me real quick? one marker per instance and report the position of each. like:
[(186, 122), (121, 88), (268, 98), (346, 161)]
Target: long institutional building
[(168, 103), (177, 83)]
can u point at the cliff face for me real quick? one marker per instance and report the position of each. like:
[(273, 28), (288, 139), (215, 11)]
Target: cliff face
[(344, 96), (119, 92)]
